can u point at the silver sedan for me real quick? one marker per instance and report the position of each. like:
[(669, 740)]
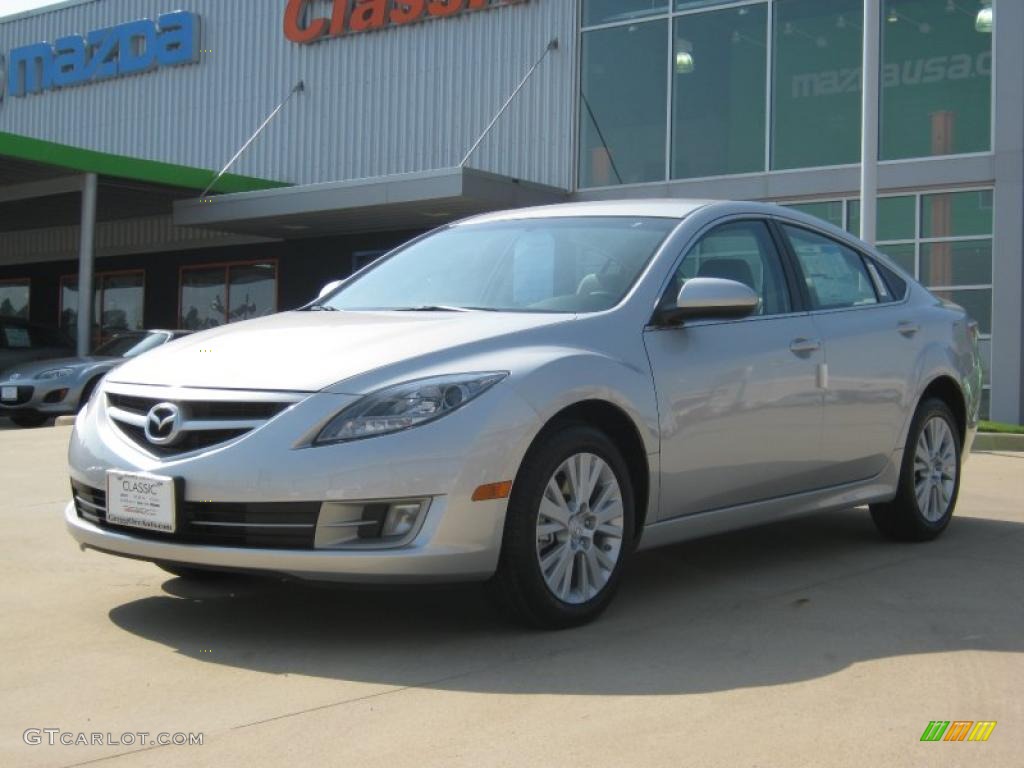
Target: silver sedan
[(31, 393), (529, 398)]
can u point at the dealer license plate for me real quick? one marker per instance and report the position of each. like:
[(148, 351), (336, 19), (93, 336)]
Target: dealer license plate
[(141, 501), (9, 394)]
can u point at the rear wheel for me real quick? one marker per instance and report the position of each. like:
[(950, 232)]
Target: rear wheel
[(568, 530), (929, 478)]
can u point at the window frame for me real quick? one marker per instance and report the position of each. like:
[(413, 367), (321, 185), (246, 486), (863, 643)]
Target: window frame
[(671, 14), (98, 336), (226, 266), (27, 282)]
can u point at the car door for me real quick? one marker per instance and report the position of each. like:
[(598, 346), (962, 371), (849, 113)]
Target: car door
[(739, 406), (870, 351)]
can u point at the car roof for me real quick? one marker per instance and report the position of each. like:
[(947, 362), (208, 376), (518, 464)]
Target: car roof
[(667, 208)]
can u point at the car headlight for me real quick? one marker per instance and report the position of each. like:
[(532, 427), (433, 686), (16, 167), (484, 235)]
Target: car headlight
[(55, 373), (406, 405)]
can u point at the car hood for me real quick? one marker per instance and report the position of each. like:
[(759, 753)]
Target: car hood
[(310, 351), (33, 369)]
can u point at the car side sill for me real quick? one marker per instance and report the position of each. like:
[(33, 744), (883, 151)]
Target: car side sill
[(882, 487)]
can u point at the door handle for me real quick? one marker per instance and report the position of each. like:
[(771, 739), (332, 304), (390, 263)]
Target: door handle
[(804, 346), (908, 328)]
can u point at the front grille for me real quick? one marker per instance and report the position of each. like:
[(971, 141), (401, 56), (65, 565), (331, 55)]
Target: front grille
[(24, 395), (204, 423), (285, 525)]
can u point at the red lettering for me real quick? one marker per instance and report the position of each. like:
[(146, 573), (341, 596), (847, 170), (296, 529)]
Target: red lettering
[(368, 14), (293, 28), (338, 18), (407, 11), (444, 7)]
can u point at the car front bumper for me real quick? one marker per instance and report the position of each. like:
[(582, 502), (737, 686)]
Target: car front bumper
[(443, 462), (33, 397)]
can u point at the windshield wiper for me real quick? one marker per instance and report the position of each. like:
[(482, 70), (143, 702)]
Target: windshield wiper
[(321, 308), (434, 308)]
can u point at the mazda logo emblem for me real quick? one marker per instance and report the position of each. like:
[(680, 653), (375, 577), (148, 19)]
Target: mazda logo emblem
[(163, 424)]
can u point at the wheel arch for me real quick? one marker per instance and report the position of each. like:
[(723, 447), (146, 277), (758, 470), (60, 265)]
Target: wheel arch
[(614, 422), (948, 390)]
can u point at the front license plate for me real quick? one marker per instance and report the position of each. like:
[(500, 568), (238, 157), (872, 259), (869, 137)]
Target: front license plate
[(9, 394), (141, 501)]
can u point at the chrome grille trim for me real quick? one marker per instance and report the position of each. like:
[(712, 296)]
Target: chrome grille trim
[(209, 418)]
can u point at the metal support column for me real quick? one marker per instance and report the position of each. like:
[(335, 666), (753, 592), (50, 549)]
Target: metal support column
[(869, 126), (86, 264)]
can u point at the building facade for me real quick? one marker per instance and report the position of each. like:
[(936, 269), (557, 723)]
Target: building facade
[(390, 117)]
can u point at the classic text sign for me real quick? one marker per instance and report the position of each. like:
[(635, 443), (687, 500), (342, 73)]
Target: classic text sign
[(353, 16)]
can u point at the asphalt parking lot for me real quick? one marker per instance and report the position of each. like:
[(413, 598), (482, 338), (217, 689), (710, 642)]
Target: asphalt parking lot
[(807, 643)]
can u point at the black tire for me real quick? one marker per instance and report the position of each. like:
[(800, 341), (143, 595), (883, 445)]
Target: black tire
[(29, 421), (191, 573), (519, 587), (902, 519)]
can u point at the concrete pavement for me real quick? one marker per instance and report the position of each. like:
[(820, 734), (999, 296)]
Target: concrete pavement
[(806, 643)]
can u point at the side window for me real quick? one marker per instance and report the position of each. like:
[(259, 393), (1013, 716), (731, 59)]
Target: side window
[(742, 251), (897, 285), (836, 276)]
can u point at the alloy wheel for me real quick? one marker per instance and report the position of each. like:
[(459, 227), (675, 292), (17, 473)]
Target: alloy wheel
[(935, 468), (580, 528)]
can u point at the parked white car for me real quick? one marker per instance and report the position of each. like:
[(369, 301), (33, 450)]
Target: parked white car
[(527, 398)]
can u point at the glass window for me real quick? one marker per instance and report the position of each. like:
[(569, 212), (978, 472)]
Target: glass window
[(609, 11), (957, 214), (936, 79), (212, 296), (14, 298), (835, 275), (743, 252), (252, 291), (896, 218), (963, 262), (203, 298), (903, 254), (829, 210), (544, 265), (122, 303), (719, 102), (130, 344), (118, 303), (978, 304), (897, 285), (623, 105), (816, 82)]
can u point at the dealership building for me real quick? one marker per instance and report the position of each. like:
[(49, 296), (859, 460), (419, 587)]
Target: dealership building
[(199, 162)]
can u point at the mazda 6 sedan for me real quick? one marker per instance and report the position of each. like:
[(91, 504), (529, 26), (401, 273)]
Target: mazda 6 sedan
[(529, 398)]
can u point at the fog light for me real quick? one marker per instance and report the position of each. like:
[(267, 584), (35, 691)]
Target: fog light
[(56, 396), (401, 519)]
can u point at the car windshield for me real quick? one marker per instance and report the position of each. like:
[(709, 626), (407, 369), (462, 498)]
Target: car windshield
[(570, 265), (130, 344)]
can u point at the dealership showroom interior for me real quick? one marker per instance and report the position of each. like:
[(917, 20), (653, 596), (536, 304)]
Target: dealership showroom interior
[(375, 337)]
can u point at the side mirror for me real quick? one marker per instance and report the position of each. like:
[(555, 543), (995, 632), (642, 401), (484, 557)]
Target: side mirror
[(331, 287), (711, 297)]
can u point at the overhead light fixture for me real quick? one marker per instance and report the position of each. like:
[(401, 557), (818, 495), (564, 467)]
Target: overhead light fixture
[(892, 16), (684, 62), (984, 22), (950, 6)]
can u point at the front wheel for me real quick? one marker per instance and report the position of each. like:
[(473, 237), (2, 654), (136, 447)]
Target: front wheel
[(929, 478), (29, 421), (568, 530)]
